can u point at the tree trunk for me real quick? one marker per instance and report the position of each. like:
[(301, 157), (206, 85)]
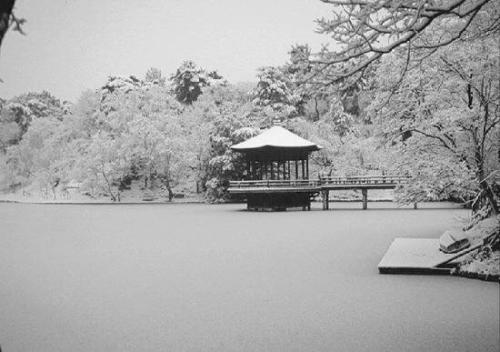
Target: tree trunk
[(170, 192), (316, 110), (488, 196), (110, 190)]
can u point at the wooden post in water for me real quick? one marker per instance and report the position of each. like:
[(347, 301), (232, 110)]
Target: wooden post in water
[(364, 192), (324, 196)]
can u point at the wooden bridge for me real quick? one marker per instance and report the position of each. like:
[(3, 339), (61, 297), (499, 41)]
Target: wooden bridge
[(322, 185)]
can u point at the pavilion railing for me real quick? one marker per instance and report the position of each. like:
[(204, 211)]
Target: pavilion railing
[(321, 181)]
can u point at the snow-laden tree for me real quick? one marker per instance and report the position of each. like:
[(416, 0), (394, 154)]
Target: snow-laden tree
[(275, 89), (17, 113), (140, 136), (223, 116), (102, 165), (354, 153), (155, 76), (44, 157), (363, 31), (224, 165), (189, 80), (444, 117)]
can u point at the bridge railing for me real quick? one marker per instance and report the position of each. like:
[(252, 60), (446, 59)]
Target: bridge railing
[(364, 180), (352, 180), (274, 183)]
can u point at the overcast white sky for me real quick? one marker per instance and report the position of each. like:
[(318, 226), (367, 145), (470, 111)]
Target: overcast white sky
[(73, 45)]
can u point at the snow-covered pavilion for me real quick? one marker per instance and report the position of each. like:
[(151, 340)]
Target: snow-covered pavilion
[(277, 154), (277, 170)]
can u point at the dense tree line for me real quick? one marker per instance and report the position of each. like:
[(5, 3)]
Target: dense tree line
[(169, 136)]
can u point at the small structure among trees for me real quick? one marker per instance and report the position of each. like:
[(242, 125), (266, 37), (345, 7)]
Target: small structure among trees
[(275, 157)]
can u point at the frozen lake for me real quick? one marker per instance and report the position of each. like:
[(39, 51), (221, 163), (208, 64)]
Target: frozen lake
[(216, 278)]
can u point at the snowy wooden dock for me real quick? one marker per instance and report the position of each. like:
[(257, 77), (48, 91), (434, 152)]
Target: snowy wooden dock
[(415, 256)]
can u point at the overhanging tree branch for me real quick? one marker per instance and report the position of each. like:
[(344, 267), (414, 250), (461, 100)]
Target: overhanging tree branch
[(364, 31), (8, 19)]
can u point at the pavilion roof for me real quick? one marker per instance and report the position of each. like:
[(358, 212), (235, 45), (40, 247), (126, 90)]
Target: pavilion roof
[(276, 137)]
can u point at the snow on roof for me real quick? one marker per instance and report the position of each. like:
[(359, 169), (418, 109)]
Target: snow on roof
[(277, 137)]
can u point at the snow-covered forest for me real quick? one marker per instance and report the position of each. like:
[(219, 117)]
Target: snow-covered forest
[(406, 90)]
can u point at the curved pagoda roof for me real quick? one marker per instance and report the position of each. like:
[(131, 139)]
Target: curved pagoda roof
[(276, 137)]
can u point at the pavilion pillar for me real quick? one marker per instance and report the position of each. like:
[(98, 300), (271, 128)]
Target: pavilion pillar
[(303, 170), (272, 170), (364, 192), (307, 168), (296, 169)]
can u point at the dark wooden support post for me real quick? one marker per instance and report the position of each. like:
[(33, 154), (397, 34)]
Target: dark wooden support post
[(324, 196), (272, 171), (296, 169), (364, 192), (288, 163), (248, 170), (415, 206), (303, 170), (307, 168)]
